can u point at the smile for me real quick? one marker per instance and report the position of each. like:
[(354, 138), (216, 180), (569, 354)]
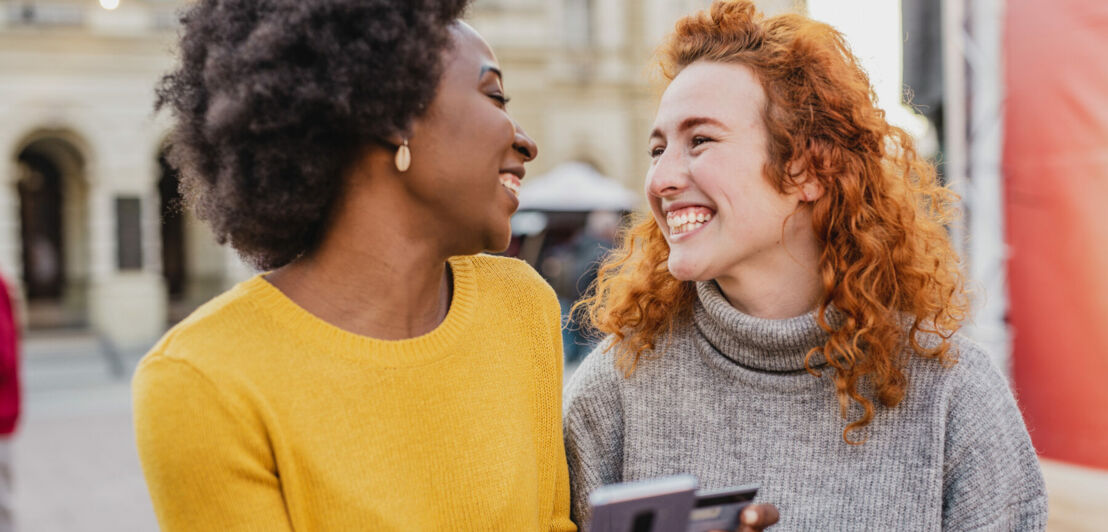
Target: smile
[(511, 182), (688, 219)]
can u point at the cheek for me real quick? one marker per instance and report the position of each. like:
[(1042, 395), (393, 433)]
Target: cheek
[(656, 211), (490, 129), (477, 133)]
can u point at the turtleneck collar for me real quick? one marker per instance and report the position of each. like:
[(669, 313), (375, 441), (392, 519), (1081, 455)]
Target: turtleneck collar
[(760, 344)]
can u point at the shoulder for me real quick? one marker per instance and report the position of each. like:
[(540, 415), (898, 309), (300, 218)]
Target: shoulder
[(505, 270), (972, 357), (965, 360), (971, 390), (508, 277), (978, 389), (225, 327), (597, 379), (970, 375)]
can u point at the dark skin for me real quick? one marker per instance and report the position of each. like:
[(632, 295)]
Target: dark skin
[(758, 517), (380, 269)]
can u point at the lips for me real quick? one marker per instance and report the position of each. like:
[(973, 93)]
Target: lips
[(688, 218)]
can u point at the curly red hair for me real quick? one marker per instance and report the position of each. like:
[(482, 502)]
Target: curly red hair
[(886, 264)]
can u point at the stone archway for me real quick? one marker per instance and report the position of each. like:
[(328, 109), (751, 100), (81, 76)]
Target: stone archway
[(52, 192)]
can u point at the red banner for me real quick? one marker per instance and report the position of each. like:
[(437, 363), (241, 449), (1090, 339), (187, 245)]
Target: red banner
[(1056, 203)]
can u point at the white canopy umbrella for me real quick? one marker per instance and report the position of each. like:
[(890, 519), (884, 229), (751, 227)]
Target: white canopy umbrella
[(575, 187)]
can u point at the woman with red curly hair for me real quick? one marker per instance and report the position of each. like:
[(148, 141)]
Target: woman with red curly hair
[(787, 314)]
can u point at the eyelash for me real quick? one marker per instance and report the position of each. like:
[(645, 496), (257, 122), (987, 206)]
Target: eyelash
[(500, 98), (696, 141)]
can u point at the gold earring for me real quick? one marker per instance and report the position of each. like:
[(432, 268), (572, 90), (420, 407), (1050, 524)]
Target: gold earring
[(403, 157)]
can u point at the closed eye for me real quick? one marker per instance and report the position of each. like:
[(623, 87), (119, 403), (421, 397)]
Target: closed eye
[(500, 99)]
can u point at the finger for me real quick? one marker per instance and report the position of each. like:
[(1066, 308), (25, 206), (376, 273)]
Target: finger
[(757, 517)]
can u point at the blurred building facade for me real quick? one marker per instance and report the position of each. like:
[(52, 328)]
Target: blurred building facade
[(90, 228), (81, 217)]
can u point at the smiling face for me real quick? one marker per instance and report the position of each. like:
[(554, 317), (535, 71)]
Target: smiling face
[(467, 153), (706, 185)]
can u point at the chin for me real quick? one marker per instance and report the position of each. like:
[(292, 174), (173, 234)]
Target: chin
[(499, 248), (684, 269), (498, 241)]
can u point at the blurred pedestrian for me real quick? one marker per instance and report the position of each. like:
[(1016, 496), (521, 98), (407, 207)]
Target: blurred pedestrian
[(9, 401), (587, 250), (382, 375), (787, 315)]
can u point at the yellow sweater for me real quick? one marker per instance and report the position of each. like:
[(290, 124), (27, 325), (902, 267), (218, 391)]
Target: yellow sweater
[(253, 414)]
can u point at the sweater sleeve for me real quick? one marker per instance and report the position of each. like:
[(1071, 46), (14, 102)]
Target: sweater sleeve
[(593, 430), (560, 520), (991, 477), (207, 465), (9, 363)]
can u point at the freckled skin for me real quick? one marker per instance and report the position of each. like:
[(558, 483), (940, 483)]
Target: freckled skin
[(719, 164)]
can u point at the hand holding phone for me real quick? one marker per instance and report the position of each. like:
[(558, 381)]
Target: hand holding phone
[(720, 509), (669, 504), (656, 505)]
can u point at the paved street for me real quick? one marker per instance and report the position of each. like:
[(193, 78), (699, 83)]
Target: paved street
[(75, 464)]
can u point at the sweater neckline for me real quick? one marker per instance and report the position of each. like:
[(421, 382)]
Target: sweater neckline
[(325, 337), (776, 346)]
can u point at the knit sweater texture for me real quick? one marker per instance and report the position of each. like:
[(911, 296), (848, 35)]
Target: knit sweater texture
[(253, 414), (728, 400)]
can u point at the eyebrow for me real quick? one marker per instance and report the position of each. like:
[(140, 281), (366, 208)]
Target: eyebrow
[(690, 123), (494, 70)]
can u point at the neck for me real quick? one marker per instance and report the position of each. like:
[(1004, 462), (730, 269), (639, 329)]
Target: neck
[(783, 283), (374, 273)]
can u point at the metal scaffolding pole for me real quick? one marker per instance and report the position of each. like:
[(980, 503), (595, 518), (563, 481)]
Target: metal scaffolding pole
[(974, 145)]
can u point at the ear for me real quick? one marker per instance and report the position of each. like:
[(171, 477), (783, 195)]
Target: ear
[(395, 140), (808, 188)]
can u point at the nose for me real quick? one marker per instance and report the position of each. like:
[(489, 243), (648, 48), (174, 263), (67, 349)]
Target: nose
[(667, 176), (524, 144)]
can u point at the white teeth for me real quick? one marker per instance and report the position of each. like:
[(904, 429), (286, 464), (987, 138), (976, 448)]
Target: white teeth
[(511, 186), (677, 227), (686, 221)]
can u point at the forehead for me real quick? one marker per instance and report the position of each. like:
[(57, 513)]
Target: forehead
[(728, 92), (468, 48)]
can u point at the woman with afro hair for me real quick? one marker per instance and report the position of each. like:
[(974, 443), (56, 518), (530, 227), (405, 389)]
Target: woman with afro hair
[(787, 313), (382, 374)]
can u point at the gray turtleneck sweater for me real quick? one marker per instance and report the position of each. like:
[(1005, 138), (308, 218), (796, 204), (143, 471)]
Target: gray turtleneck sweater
[(729, 401)]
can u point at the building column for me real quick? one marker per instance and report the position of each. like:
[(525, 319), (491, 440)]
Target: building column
[(11, 265), (127, 297), (236, 269)]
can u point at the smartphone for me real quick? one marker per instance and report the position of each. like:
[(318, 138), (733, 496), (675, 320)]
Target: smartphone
[(720, 509), (656, 505)]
